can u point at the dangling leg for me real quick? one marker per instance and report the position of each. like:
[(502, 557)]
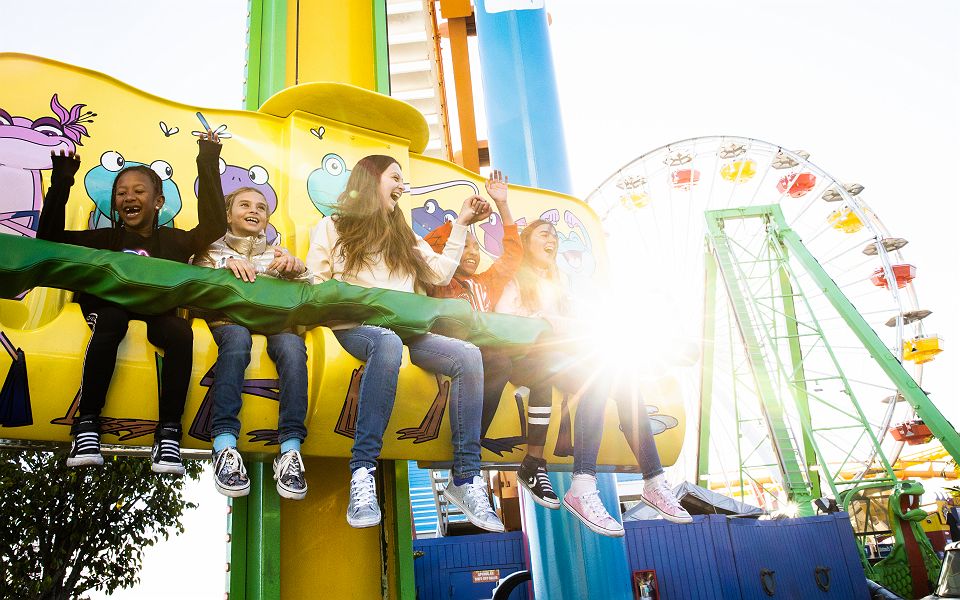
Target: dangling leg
[(462, 362), (382, 350)]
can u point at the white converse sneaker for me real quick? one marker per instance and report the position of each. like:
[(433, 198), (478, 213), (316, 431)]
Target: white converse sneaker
[(661, 498), (363, 509), (472, 499)]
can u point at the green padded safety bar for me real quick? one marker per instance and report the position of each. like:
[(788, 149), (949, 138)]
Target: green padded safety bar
[(153, 286)]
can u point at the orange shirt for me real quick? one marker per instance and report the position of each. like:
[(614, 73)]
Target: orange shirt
[(483, 290)]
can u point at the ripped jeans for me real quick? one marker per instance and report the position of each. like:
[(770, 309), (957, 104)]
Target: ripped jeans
[(382, 350)]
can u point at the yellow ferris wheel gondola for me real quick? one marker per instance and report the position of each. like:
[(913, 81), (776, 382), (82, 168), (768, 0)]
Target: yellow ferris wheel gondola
[(739, 171), (845, 220), (922, 349)]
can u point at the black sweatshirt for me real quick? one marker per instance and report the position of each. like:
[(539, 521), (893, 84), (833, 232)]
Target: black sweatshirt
[(167, 243)]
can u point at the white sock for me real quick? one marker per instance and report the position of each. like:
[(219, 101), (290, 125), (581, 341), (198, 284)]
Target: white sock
[(653, 482), (583, 484)]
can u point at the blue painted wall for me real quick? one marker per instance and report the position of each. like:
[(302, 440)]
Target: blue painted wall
[(718, 558), (445, 569)]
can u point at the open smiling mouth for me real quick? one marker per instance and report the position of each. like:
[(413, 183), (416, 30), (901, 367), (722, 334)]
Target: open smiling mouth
[(131, 211)]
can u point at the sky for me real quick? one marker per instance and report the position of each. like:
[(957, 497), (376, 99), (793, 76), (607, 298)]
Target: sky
[(870, 89)]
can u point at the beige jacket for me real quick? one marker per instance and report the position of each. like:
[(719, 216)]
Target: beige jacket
[(325, 265), (253, 249)]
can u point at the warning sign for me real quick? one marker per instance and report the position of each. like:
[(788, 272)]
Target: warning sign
[(486, 576)]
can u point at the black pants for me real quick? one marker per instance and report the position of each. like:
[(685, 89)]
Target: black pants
[(109, 322), (498, 369)]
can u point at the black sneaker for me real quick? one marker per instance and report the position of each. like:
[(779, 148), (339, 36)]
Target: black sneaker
[(288, 471), (85, 450), (166, 449), (532, 475), (229, 474)]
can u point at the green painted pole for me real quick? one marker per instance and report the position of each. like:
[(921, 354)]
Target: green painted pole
[(381, 47), (266, 51), (707, 366), (262, 536), (237, 549), (799, 378), (404, 532)]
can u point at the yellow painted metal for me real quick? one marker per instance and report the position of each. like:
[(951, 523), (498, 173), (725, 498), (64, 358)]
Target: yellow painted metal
[(335, 42), (923, 349), (323, 557), (292, 144), (845, 220)]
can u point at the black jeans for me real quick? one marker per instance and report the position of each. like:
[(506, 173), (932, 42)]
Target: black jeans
[(109, 322)]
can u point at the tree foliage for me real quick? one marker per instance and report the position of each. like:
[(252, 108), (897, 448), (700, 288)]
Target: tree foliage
[(65, 531)]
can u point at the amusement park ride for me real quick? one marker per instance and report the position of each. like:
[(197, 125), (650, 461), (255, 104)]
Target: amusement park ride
[(804, 390), (804, 306)]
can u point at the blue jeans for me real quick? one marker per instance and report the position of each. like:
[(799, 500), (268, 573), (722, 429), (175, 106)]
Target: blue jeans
[(382, 350), (287, 351), (573, 374)]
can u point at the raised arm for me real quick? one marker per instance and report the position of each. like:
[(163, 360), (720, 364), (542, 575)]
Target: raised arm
[(444, 265), (211, 212), (52, 223)]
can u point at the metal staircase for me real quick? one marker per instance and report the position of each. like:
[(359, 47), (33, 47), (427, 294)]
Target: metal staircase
[(416, 73)]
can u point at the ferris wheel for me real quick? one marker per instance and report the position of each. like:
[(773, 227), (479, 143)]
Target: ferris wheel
[(813, 341)]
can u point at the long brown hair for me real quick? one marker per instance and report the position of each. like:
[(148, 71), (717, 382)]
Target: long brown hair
[(366, 230), (529, 276)]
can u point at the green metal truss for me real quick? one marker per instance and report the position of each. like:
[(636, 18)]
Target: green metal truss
[(755, 278)]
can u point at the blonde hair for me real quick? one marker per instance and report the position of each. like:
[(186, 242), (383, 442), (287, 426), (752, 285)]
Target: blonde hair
[(229, 198)]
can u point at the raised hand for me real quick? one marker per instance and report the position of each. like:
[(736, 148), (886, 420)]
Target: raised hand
[(66, 163), (210, 136), (497, 187), (475, 209)]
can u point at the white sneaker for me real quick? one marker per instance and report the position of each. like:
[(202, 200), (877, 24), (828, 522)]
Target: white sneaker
[(661, 498), (472, 499), (363, 509)]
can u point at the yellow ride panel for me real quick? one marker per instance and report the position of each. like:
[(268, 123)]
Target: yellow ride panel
[(299, 155)]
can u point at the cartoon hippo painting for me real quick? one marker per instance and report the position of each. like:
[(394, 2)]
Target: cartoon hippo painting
[(233, 177), (99, 184), (327, 182), (25, 147)]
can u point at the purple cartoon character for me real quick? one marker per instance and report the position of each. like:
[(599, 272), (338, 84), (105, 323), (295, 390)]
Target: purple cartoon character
[(25, 147), (233, 178)]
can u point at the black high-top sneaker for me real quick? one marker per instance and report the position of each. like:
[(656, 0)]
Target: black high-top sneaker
[(532, 475), (85, 450), (166, 449)]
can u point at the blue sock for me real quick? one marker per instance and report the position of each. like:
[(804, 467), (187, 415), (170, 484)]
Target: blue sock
[(288, 445), (224, 440), (458, 481)]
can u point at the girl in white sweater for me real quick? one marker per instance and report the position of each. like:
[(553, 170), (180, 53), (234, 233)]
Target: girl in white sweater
[(368, 243)]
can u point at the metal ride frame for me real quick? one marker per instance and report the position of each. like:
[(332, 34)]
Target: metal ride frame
[(771, 329)]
